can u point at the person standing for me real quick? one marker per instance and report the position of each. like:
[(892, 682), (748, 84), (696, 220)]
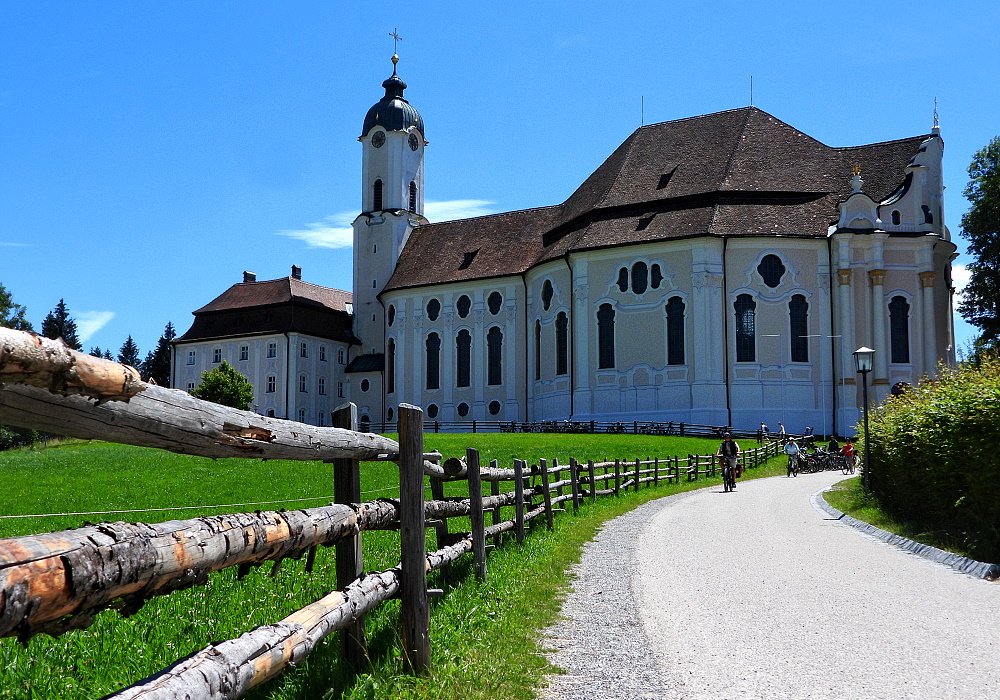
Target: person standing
[(793, 451), (781, 430)]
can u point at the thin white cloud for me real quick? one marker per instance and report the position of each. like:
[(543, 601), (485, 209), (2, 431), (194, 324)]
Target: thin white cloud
[(335, 231), (89, 322), (13, 245)]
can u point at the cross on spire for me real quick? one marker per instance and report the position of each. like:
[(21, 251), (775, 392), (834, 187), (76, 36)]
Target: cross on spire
[(396, 38)]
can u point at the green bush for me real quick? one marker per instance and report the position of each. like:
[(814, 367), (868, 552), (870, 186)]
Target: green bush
[(934, 462), (17, 437)]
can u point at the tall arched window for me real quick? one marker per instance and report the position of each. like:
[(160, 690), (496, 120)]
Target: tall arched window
[(377, 196), (675, 331), (494, 356), (413, 196), (562, 343), (798, 326), (538, 350), (464, 343), (605, 337), (390, 365), (899, 330), (746, 309), (433, 361)]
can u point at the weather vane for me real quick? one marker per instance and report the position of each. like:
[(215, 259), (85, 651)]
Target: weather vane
[(396, 38)]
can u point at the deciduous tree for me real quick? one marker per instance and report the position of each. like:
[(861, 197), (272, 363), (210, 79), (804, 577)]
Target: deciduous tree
[(12, 315), (981, 226), (224, 385)]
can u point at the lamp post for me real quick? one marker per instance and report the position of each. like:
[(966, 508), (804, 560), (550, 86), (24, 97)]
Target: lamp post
[(863, 364)]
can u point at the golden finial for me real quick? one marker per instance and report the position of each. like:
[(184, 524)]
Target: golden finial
[(856, 170)]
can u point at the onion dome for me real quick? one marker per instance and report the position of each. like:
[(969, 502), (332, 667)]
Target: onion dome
[(393, 112)]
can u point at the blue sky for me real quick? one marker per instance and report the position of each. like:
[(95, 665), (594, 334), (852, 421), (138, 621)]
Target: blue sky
[(150, 152)]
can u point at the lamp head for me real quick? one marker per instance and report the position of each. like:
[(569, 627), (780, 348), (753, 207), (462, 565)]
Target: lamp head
[(863, 359)]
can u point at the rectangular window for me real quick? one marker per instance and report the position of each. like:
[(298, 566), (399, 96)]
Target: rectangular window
[(745, 308), (272, 350), (340, 356), (322, 386), (217, 355), (302, 384), (271, 384), (606, 337), (191, 356), (340, 390), (322, 353), (244, 353), (303, 350), (494, 356), (562, 344), (675, 331), (190, 386), (321, 418)]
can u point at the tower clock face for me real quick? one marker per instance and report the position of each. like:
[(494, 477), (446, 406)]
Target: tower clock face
[(414, 144), (378, 139)]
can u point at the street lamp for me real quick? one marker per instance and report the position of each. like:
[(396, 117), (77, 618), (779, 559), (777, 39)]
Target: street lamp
[(863, 364)]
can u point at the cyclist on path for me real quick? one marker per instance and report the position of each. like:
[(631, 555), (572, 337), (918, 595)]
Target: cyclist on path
[(729, 450), (793, 451)]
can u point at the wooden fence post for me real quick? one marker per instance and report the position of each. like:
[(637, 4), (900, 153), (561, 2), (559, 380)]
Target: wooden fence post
[(656, 471), (414, 611), (519, 500), (476, 512), (593, 481), (349, 557), (637, 467), (495, 491), (546, 494), (618, 476), (574, 482)]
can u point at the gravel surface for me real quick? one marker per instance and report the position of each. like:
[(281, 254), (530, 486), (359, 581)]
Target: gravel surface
[(756, 594)]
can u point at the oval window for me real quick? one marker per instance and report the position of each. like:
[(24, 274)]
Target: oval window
[(494, 407), (365, 385), (463, 409), (390, 414), (433, 309), (494, 302), (771, 270), (432, 411), (464, 305), (640, 277), (547, 294)]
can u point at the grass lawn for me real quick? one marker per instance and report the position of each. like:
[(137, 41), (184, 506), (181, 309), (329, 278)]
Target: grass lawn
[(485, 636)]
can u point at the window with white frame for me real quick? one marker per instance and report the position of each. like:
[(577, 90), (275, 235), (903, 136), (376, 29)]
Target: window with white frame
[(322, 386), (244, 353), (322, 353), (271, 383), (340, 390), (191, 356), (302, 384), (303, 350), (340, 356), (216, 355), (272, 349), (302, 415)]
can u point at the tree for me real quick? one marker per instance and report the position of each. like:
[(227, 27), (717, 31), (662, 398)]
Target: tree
[(129, 354), (12, 315), (226, 386), (59, 324), (981, 226), (156, 366), (96, 351)]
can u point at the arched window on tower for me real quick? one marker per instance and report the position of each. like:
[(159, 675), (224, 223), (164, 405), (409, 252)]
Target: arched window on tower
[(798, 327), (899, 330), (746, 309), (433, 361), (606, 337), (675, 331), (494, 356), (377, 196), (413, 196)]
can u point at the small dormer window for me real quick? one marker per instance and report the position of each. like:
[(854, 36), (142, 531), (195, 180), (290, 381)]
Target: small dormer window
[(413, 196), (377, 196)]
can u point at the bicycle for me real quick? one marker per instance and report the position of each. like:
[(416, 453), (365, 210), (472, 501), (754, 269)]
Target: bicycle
[(793, 465), (849, 461), (728, 477)]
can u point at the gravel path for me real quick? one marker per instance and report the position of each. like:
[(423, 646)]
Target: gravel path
[(791, 605)]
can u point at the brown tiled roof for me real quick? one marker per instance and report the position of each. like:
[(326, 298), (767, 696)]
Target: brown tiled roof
[(740, 172), (279, 291)]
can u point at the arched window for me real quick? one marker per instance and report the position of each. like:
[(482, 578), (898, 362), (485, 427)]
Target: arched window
[(433, 309), (746, 309), (322, 386), (655, 277), (538, 350), (798, 326), (377, 196), (623, 279), (413, 196), (390, 365), (605, 337), (464, 305), (494, 356), (895, 217), (495, 302), (547, 293), (640, 277), (928, 217), (464, 345), (302, 415), (675, 331), (771, 270), (391, 314), (562, 344), (899, 330), (433, 368)]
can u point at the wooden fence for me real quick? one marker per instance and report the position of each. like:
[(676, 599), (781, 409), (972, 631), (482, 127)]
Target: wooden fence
[(55, 582)]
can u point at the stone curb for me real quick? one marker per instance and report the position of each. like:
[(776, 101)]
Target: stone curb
[(971, 567)]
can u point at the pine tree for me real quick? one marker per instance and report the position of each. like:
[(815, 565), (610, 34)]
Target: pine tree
[(981, 226), (108, 355), (96, 351), (156, 366), (59, 324), (224, 385), (12, 315), (129, 354)]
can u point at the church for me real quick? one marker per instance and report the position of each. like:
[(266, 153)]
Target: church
[(719, 269)]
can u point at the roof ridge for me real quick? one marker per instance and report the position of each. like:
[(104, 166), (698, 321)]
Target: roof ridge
[(488, 216), (883, 143), (703, 116)]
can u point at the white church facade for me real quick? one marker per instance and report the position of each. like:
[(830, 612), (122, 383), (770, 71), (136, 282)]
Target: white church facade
[(718, 270)]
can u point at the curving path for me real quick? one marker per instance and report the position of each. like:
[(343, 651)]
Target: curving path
[(791, 604)]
